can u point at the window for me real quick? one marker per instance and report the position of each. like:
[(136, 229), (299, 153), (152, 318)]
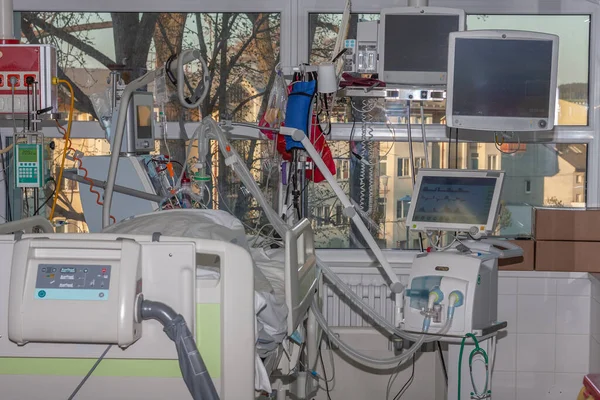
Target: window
[(381, 207), (419, 163), (538, 175), (342, 169), (91, 44), (402, 207), (573, 75), (579, 178), (474, 163), (403, 167), (326, 216), (492, 162)]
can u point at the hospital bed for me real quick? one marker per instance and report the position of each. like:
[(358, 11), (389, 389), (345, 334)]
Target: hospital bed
[(226, 315)]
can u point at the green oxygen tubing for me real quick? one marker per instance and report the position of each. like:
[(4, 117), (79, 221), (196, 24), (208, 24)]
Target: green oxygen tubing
[(477, 350)]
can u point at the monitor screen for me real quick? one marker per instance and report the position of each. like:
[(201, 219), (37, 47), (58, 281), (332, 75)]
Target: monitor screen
[(502, 78), (415, 42), (144, 122), (454, 200), (28, 154)]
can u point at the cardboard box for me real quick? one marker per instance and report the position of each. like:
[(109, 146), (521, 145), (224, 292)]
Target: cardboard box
[(524, 263), (567, 256), (567, 224)]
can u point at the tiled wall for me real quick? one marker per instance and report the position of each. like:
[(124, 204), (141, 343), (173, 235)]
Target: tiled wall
[(548, 346)]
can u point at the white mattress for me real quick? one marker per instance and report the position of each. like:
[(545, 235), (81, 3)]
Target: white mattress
[(269, 300)]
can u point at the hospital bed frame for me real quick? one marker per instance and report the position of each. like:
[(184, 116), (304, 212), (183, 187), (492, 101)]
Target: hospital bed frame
[(234, 298)]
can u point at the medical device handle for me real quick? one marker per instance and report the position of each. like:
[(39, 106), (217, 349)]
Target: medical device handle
[(300, 260), (510, 250), (395, 285), (118, 141), (185, 57), (27, 225)]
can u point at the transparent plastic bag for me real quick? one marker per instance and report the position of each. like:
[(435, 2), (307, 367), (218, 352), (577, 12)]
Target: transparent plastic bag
[(275, 112), (101, 102)]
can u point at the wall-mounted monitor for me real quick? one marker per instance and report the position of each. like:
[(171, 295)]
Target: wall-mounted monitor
[(502, 81), (413, 44)]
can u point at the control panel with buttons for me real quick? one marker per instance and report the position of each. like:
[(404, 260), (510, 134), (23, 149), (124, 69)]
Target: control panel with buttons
[(28, 165), (72, 282)]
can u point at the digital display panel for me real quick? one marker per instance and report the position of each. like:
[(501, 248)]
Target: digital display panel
[(144, 122), (502, 78), (456, 200), (418, 42), (28, 154)]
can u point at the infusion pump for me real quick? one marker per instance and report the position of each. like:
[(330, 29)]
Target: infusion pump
[(361, 53)]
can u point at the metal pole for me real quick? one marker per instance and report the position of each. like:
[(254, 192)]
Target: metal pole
[(119, 189), (412, 170), (424, 135)]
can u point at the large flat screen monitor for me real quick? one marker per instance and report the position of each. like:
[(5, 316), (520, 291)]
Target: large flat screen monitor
[(413, 44), (502, 81), (455, 200)]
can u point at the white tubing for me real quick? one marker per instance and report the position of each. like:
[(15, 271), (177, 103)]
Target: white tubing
[(371, 362), (182, 59), (360, 358)]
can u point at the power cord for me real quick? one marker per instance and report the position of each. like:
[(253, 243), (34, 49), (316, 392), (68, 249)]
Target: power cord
[(439, 347), (408, 382), (90, 372), (324, 374)]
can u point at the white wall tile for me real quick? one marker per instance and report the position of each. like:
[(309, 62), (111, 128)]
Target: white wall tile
[(566, 386), (596, 288), (507, 285), (573, 287), (573, 315), (536, 286), (595, 319), (572, 354), (532, 385), (536, 353), (506, 353), (504, 386), (507, 311), (594, 356), (536, 314)]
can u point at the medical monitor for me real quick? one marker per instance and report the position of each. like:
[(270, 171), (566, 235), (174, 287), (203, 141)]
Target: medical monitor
[(455, 200), (502, 81), (413, 44)]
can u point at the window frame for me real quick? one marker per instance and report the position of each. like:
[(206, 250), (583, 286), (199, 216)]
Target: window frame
[(589, 135), (294, 49)]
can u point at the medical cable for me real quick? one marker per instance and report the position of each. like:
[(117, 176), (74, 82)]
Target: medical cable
[(324, 373), (90, 372), (67, 138), (408, 382), (444, 369)]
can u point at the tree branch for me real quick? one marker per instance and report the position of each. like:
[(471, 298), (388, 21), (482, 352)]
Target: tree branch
[(31, 18)]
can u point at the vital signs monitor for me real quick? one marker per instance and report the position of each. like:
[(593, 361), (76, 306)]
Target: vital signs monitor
[(455, 200), (413, 44), (502, 81)]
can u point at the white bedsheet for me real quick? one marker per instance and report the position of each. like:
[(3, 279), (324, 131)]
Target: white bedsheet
[(269, 300)]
